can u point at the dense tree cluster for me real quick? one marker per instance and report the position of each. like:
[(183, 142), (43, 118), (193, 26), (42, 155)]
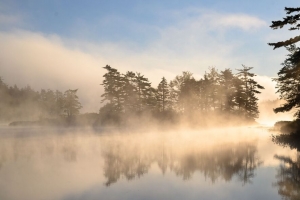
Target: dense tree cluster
[(289, 76), (217, 92), (27, 104)]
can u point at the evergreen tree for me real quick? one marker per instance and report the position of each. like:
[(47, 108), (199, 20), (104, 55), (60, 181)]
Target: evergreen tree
[(130, 92), (113, 84), (213, 77), (239, 95), (144, 92), (289, 20), (250, 87), (188, 96), (288, 82), (227, 91), (175, 89), (288, 77), (203, 94), (163, 95)]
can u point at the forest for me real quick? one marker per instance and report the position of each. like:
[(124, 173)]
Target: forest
[(217, 97), (130, 100), (19, 104), (220, 96)]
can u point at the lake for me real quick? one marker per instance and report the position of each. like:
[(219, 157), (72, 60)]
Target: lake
[(74, 164)]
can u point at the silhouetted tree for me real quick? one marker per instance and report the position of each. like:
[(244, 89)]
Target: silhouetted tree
[(239, 95), (188, 98), (175, 89), (288, 82), (113, 84), (203, 94), (250, 87), (227, 91), (144, 92), (213, 77), (288, 77), (163, 94), (288, 20), (130, 92)]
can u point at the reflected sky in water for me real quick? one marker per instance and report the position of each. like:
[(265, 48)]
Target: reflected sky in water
[(66, 164)]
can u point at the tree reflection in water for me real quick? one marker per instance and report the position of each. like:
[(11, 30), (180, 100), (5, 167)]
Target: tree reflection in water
[(288, 178), (132, 156), (288, 173), (131, 160)]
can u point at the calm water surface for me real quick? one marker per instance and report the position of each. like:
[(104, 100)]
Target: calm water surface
[(69, 164)]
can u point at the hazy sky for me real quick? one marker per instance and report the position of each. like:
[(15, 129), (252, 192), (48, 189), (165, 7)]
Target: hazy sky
[(64, 44)]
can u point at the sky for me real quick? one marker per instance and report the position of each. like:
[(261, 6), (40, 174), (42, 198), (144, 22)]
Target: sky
[(65, 44)]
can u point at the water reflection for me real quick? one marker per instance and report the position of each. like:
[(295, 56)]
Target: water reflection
[(194, 164), (222, 161), (288, 177), (288, 173)]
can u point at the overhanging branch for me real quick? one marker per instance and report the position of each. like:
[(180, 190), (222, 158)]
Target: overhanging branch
[(285, 43)]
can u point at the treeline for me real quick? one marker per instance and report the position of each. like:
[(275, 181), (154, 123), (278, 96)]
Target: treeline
[(28, 104), (130, 98), (219, 94)]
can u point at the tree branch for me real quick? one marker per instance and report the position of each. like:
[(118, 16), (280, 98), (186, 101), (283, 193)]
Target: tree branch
[(290, 10), (285, 43)]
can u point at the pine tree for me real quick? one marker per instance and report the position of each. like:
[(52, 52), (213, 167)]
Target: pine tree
[(288, 77), (113, 84), (144, 92), (188, 96), (130, 92), (203, 94), (227, 91), (289, 20), (239, 95), (288, 82), (250, 87), (163, 95), (213, 77), (175, 89)]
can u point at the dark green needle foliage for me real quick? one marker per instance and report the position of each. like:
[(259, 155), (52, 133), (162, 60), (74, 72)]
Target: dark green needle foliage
[(289, 75), (292, 19)]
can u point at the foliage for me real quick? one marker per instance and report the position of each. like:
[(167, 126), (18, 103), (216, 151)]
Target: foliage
[(163, 95), (216, 93), (288, 140), (71, 103), (288, 177), (288, 77), (27, 104), (288, 83), (248, 106), (113, 84), (289, 20)]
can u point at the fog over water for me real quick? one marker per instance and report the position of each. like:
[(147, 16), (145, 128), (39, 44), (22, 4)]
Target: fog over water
[(183, 124), (226, 163), (52, 62)]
